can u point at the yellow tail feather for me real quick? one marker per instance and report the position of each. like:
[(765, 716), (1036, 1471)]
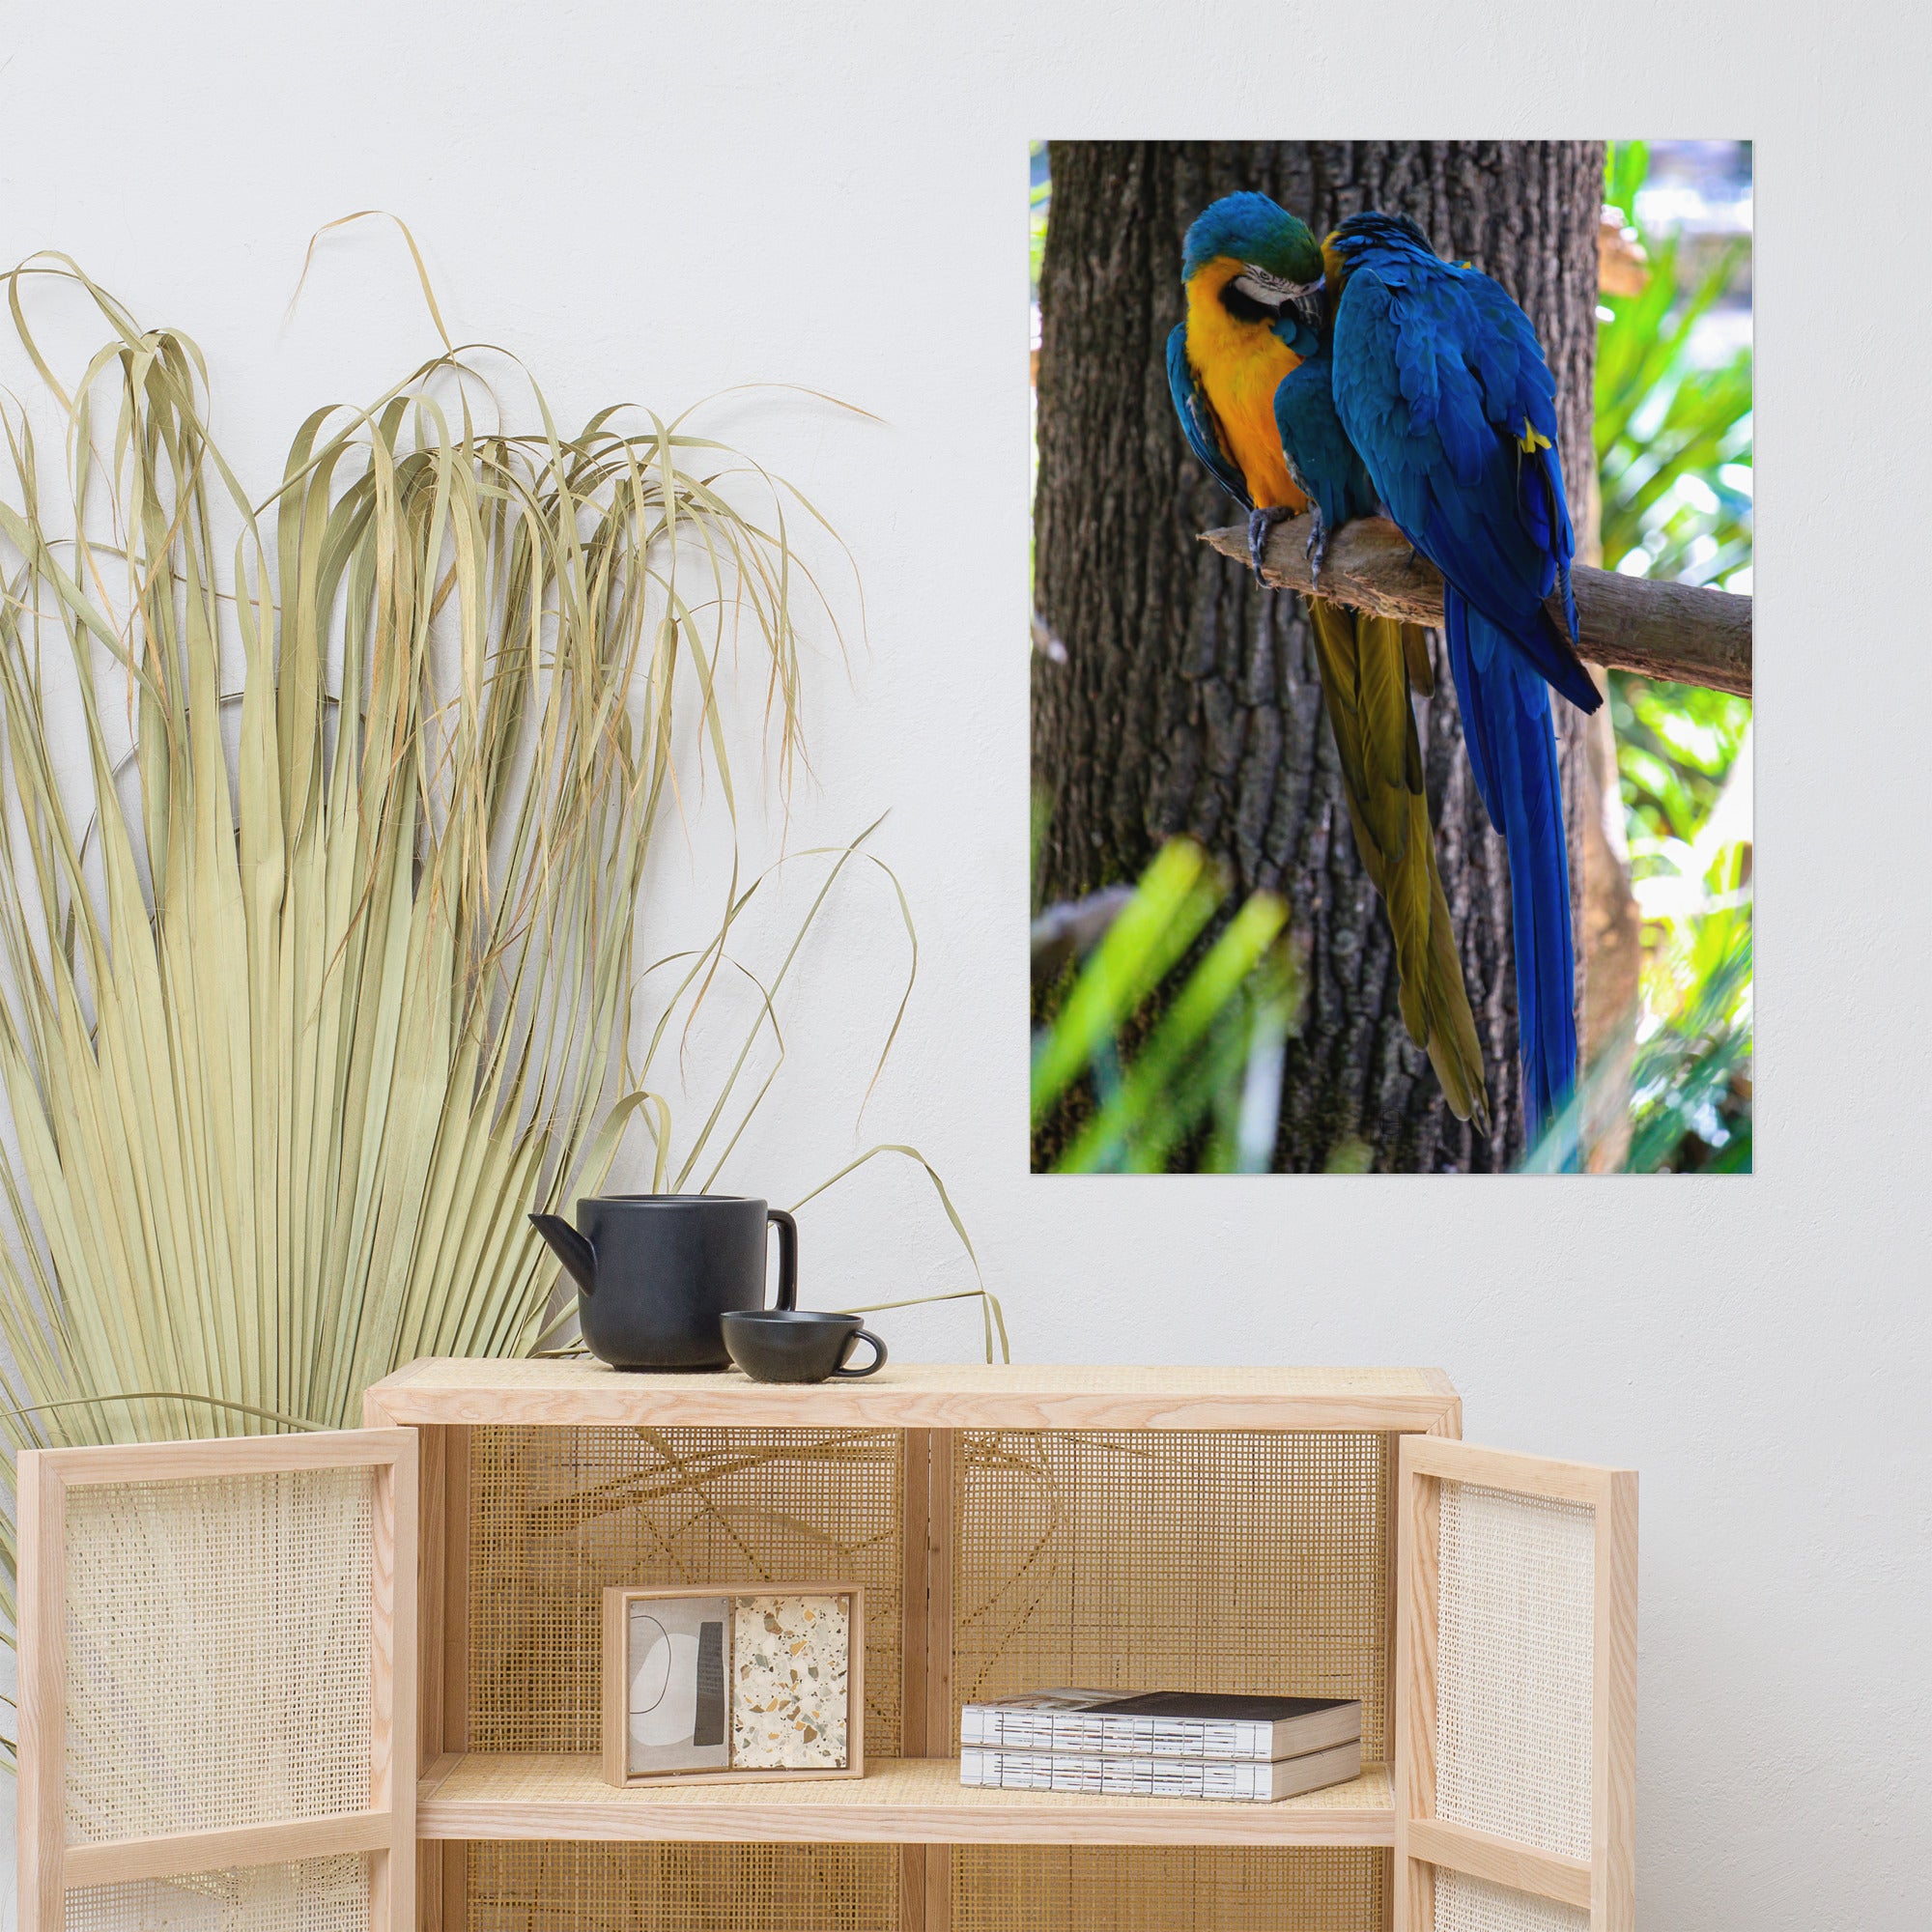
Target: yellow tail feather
[(1415, 650), (1368, 664)]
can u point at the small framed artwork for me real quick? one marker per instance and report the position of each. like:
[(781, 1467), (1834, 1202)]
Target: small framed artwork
[(746, 1683)]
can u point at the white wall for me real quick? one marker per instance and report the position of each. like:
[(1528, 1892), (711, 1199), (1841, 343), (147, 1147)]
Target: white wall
[(656, 203)]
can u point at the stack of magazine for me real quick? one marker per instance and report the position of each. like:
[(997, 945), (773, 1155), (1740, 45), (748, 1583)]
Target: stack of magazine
[(1164, 1744)]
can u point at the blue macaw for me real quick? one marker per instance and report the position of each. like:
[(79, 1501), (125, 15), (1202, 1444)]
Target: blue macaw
[(1253, 276), (1441, 385)]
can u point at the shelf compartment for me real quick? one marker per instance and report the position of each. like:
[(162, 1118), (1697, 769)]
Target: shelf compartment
[(1207, 1560), (899, 1801), (556, 1515)]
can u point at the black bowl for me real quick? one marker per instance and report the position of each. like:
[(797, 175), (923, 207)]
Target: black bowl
[(794, 1344)]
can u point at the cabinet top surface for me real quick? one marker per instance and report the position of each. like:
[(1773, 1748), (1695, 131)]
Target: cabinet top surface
[(922, 1395)]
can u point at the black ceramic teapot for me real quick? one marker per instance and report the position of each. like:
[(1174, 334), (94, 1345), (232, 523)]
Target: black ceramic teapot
[(654, 1272)]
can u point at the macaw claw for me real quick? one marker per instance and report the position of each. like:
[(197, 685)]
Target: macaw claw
[(1259, 522), (1318, 544)]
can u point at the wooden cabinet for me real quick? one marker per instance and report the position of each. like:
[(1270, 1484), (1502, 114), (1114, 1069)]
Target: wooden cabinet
[(1317, 1530), (217, 1694)]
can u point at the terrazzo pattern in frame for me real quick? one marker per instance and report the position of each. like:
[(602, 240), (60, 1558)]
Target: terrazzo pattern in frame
[(790, 1682)]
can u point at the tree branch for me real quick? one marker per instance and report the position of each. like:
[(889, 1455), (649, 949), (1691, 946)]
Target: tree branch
[(1681, 632)]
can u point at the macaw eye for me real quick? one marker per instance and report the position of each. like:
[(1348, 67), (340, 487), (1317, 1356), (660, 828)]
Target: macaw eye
[(1258, 285)]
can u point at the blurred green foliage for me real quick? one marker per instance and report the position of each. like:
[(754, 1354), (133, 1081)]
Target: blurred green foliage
[(1676, 744), (1691, 1081), (1673, 437), (1039, 192), (1180, 1048)]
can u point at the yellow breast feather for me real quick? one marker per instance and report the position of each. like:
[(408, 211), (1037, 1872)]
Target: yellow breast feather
[(1240, 365)]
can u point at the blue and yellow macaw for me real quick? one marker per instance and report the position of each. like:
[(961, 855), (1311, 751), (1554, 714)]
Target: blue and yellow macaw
[(1253, 275), (1441, 385)]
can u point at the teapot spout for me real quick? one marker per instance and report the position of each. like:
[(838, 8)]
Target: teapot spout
[(570, 1248)]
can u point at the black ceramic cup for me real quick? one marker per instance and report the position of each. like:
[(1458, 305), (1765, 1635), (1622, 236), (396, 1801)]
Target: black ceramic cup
[(791, 1345)]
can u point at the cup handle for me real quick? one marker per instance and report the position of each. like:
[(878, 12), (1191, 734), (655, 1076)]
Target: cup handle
[(872, 1366), (788, 1256)]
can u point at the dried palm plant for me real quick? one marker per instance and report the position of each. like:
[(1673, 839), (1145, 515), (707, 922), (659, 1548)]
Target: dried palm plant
[(319, 973)]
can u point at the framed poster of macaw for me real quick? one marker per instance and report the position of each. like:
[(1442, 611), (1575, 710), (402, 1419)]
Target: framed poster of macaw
[(1392, 657)]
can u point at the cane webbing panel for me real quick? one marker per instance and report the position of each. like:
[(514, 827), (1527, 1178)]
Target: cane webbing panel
[(1464, 1904), (558, 1514), (313, 1895), (217, 1653), (1514, 1667), (1138, 1888), (1252, 1561), (530, 1886)]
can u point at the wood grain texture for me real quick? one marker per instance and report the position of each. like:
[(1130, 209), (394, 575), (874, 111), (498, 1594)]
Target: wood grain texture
[(1417, 1510), (1606, 1884), (855, 1682), (1613, 1767), (41, 1640), (443, 1582), (938, 1888), (941, 1515), (1500, 1860), (393, 1711), (174, 1853), (385, 1830), (942, 1471), (927, 1396), (431, 1581), (1449, 1424), (911, 1887), (442, 1878), (455, 1641), (915, 1477), (442, 1866), (442, 1636), (1505, 1470), (900, 1801), (1682, 632), (231, 1456), (612, 1704), (1392, 1579)]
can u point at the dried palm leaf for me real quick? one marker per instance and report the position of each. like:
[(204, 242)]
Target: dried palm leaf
[(316, 982)]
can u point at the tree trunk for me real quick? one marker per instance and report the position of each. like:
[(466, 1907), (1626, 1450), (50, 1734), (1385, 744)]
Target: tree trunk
[(1189, 699)]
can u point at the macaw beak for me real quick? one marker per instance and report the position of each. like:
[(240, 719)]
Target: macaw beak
[(1309, 305)]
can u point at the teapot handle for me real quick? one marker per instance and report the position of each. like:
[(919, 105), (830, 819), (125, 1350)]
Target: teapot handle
[(788, 1256)]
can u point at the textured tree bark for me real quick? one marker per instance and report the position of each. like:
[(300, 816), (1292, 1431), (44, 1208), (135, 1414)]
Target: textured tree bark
[(1189, 699)]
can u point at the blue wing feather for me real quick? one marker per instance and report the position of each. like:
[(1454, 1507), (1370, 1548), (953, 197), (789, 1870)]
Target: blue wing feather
[(1197, 419), (1439, 383), (1435, 377), (1319, 451)]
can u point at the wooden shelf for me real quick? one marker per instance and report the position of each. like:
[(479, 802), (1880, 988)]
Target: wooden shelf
[(580, 1391), (899, 1801)]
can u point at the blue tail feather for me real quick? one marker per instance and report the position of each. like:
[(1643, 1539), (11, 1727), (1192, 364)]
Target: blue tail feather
[(1511, 744)]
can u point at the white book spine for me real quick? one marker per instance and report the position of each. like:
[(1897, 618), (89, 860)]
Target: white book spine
[(1012, 1728), (1116, 1776)]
